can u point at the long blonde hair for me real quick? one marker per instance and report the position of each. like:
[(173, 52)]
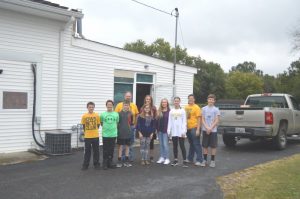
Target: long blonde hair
[(159, 112)]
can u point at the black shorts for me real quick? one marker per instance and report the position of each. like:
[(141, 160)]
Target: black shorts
[(210, 140), (122, 141)]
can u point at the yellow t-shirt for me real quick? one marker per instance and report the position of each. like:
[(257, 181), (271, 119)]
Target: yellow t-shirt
[(91, 122), (193, 112), (133, 108)]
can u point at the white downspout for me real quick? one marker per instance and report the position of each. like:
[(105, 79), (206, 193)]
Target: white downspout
[(60, 70)]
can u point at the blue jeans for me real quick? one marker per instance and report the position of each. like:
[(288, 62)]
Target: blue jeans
[(163, 145), (144, 147), (132, 138), (195, 146)]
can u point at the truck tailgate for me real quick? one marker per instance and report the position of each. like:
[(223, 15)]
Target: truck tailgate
[(243, 117)]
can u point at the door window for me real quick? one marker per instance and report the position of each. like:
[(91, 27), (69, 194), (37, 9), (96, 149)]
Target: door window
[(295, 103)]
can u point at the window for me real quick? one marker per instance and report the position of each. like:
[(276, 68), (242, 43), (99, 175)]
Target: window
[(15, 100), (119, 90), (123, 82), (267, 101), (144, 78), (295, 103)]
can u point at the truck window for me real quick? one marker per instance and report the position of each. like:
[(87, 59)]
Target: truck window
[(267, 101), (295, 103)]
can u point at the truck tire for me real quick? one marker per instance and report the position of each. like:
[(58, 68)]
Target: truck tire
[(281, 139), (229, 140)]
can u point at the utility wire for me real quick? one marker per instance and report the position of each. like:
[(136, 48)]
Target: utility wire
[(162, 11), (165, 12)]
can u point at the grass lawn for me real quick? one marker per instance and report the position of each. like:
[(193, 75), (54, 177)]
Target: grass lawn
[(279, 179)]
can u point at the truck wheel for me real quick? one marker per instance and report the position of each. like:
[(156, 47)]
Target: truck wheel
[(280, 140), (229, 140)]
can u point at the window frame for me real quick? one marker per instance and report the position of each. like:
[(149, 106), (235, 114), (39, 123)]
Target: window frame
[(29, 104)]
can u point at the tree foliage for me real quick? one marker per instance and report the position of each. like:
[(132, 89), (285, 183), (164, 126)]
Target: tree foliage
[(247, 67), (242, 80), (210, 78), (239, 85)]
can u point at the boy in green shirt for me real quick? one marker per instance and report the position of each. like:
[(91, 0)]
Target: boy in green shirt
[(109, 121)]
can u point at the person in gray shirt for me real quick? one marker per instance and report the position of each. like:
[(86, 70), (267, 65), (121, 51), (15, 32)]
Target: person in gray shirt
[(124, 134)]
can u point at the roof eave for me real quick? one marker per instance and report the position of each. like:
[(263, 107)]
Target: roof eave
[(43, 10)]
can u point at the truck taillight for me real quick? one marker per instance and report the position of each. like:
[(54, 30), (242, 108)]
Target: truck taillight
[(268, 118)]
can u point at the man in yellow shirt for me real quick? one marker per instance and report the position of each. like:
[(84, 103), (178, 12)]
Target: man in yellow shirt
[(134, 110), (193, 113), (91, 123)]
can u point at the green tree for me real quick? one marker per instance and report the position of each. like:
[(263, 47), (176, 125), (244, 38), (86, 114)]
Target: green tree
[(247, 67), (289, 81), (160, 49), (210, 78), (139, 46), (269, 84), (239, 85)]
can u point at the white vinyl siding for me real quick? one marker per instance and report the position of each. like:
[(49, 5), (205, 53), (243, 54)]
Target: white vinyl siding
[(87, 75), (30, 34), (15, 131)]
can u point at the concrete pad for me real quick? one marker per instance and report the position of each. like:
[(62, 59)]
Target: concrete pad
[(19, 157)]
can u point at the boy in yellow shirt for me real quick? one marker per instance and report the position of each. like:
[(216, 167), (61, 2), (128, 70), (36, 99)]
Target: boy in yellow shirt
[(193, 113), (91, 123)]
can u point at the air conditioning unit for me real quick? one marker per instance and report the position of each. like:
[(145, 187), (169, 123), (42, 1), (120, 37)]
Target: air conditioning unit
[(58, 143)]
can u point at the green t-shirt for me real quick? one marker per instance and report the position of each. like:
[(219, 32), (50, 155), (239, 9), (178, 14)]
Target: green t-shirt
[(109, 122)]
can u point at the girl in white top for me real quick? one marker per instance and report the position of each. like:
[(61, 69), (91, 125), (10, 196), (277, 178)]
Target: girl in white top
[(177, 130)]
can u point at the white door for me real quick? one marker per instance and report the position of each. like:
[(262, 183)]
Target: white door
[(16, 91), (296, 115)]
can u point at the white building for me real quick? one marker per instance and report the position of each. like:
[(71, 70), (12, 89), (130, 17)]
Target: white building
[(70, 71)]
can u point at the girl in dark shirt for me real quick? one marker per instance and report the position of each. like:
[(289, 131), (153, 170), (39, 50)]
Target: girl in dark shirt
[(145, 128), (149, 101)]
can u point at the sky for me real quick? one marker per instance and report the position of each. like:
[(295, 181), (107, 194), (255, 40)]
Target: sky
[(227, 32)]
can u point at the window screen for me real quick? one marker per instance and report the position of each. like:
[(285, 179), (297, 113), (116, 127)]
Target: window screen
[(15, 100)]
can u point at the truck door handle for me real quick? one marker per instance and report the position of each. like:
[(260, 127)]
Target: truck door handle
[(239, 112)]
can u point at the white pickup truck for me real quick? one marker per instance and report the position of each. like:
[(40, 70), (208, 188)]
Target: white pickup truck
[(263, 116)]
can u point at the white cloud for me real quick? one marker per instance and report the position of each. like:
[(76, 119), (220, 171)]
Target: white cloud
[(227, 32)]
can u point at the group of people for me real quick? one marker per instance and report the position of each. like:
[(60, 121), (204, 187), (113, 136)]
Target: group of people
[(126, 122)]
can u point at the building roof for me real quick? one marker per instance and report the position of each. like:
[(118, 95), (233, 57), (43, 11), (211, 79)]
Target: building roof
[(49, 3), (41, 8)]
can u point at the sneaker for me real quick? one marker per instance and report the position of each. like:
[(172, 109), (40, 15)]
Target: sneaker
[(212, 164), (184, 164), (97, 167), (127, 164), (161, 160), (167, 161), (119, 164), (197, 163), (143, 162), (151, 159), (187, 161), (174, 163), (203, 163), (147, 162)]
